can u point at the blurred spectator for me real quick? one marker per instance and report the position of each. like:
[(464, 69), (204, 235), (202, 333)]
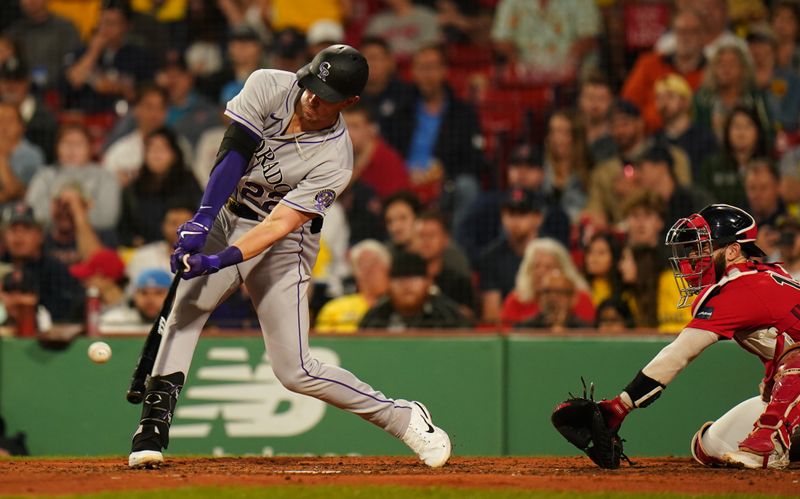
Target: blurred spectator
[(613, 316), (556, 302), (205, 152), (521, 215), (655, 172), (789, 168), (542, 256), (75, 167), (23, 238), (8, 49), (110, 67), (729, 82), (159, 24), (786, 24), (150, 291), (743, 140), (124, 157), (406, 27), (282, 14), (642, 267), (20, 299), (44, 40), (400, 211), (322, 34), (482, 225), (375, 163), (163, 178), (788, 244), (716, 34), (371, 262), (411, 302), (105, 271), (40, 122), (190, 113), (70, 237), (644, 214), (385, 94), (673, 99), (245, 55), (600, 263), (594, 106), (289, 51), (612, 180), (762, 186), (549, 40), (19, 159), (780, 85), (687, 60), (440, 137), (567, 163), (431, 240), (156, 254)]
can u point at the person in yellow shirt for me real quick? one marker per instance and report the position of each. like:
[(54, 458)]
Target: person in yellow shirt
[(600, 266), (371, 262)]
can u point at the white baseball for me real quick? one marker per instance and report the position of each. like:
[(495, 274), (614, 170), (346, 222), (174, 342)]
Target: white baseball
[(99, 352)]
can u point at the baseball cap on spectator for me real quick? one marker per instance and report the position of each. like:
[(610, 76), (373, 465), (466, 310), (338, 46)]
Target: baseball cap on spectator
[(761, 32), (14, 69), (19, 213), (626, 107), (20, 281), (656, 154), (408, 265), (105, 262), (153, 279), (522, 201), (289, 43), (526, 155), (243, 33), (325, 31), (674, 83)]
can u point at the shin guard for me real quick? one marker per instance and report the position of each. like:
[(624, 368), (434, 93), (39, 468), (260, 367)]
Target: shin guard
[(773, 430), (157, 409)]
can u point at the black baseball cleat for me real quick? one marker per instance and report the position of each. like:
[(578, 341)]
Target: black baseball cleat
[(146, 448)]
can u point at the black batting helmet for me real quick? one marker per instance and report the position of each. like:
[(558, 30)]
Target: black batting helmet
[(335, 74)]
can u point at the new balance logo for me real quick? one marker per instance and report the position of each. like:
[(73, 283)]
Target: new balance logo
[(250, 401)]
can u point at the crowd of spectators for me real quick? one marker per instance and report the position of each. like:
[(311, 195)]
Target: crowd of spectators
[(517, 163)]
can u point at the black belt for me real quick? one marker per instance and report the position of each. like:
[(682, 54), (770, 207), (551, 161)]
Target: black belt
[(242, 210)]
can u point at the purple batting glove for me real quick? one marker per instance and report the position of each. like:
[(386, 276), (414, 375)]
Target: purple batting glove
[(192, 234), (199, 264), (176, 259)]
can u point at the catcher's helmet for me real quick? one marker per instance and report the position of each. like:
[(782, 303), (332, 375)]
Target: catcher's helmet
[(693, 240), (335, 74)]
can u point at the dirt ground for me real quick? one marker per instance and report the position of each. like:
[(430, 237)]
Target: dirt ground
[(82, 475)]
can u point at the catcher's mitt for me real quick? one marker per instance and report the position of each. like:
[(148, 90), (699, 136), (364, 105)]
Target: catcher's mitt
[(581, 421)]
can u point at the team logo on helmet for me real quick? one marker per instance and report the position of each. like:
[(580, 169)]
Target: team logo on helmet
[(324, 199), (324, 71)]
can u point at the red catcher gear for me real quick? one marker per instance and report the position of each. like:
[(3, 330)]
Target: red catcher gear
[(694, 239), (699, 453), (782, 416)]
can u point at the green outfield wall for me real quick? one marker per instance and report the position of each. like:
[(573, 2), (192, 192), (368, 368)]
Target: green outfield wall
[(492, 393)]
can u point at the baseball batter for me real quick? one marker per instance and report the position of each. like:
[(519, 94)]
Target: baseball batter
[(755, 304), (284, 160)]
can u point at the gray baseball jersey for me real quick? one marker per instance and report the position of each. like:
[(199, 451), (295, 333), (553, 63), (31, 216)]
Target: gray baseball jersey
[(306, 172)]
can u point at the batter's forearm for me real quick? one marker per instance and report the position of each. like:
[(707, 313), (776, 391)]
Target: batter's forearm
[(280, 222)]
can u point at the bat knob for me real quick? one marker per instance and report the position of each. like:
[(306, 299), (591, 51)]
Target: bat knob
[(135, 396)]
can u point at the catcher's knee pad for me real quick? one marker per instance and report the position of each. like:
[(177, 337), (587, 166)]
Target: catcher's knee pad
[(159, 404), (698, 451)]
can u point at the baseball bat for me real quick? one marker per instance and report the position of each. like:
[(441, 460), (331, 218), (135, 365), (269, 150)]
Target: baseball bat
[(144, 366)]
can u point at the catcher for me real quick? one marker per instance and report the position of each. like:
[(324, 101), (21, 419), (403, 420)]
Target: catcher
[(755, 304)]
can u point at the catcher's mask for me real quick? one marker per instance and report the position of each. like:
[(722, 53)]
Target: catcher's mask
[(694, 239)]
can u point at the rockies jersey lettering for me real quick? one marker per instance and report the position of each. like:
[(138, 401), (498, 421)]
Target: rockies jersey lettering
[(306, 171)]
